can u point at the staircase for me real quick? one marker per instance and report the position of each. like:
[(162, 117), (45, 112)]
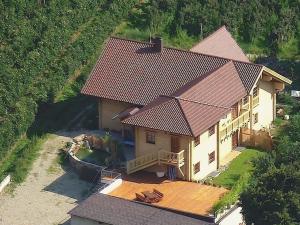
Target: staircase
[(160, 157)]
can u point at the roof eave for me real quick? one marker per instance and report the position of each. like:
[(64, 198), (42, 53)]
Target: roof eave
[(276, 75)]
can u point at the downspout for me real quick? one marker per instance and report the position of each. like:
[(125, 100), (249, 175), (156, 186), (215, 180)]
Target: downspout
[(218, 145)]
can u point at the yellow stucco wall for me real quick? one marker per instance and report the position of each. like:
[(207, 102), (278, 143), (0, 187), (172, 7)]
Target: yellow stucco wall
[(107, 110), (265, 107), (200, 153)]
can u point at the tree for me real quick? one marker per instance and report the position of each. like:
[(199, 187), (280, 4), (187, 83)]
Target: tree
[(273, 196)]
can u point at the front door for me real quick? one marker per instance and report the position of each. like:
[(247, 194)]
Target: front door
[(175, 144), (235, 140)]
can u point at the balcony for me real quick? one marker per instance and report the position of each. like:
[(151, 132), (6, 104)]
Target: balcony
[(255, 101), (160, 157), (235, 124)]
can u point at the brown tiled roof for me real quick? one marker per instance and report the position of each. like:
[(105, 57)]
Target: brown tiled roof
[(115, 211), (221, 43), (133, 72), (195, 107)]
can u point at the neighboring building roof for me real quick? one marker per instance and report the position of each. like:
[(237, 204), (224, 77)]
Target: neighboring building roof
[(196, 106), (221, 43), (116, 211), (135, 72)]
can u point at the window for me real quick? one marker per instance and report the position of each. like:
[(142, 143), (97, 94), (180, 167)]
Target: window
[(211, 157), (255, 92), (211, 130), (196, 141), (255, 118), (150, 137), (245, 100), (197, 167)]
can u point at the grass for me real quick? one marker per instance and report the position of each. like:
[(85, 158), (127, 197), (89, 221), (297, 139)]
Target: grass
[(96, 157), (235, 178), (237, 168)]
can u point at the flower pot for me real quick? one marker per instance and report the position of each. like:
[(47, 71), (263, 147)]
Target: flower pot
[(160, 173)]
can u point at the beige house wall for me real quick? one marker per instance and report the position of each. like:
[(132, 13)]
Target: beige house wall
[(162, 142), (225, 146), (75, 220), (200, 154), (107, 110), (265, 108)]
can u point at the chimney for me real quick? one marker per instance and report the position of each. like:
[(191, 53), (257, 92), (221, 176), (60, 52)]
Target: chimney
[(157, 44)]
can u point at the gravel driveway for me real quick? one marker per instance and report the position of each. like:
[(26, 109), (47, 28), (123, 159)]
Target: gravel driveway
[(48, 193)]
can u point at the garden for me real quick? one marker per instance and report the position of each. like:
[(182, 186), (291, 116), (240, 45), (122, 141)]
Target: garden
[(235, 178), (101, 150)]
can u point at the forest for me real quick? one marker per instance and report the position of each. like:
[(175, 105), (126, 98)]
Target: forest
[(44, 46)]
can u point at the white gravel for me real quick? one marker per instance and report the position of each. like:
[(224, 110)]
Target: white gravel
[(48, 193)]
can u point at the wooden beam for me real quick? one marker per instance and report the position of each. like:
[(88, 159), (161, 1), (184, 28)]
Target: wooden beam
[(279, 86), (266, 77), (276, 75)]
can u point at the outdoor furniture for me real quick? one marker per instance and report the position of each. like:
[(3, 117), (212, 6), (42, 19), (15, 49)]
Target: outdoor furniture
[(158, 194), (142, 198)]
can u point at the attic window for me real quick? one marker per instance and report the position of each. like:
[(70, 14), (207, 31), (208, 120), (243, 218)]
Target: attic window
[(196, 141), (211, 130), (150, 137)]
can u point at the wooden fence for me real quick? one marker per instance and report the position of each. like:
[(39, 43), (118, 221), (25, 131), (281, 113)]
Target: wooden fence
[(256, 139)]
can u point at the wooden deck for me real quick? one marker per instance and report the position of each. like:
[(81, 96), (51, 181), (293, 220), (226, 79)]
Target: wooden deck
[(179, 195)]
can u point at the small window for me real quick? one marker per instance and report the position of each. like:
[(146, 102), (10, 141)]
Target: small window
[(211, 130), (245, 100), (255, 92), (211, 157), (197, 167), (255, 118), (196, 141), (150, 137)]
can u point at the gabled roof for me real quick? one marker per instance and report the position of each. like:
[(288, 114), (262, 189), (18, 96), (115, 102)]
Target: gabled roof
[(222, 44), (196, 106), (116, 211), (133, 72)]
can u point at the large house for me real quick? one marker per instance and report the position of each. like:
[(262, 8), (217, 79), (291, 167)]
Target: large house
[(182, 110)]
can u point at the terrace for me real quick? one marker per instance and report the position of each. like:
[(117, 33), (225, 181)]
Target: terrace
[(179, 195)]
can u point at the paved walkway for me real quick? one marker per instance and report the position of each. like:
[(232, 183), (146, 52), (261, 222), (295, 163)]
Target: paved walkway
[(48, 193)]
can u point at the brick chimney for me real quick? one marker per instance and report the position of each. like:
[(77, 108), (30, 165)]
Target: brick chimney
[(157, 44)]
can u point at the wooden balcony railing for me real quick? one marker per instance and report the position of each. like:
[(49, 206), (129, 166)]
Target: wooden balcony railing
[(160, 157), (255, 101), (235, 125), (171, 158), (246, 106)]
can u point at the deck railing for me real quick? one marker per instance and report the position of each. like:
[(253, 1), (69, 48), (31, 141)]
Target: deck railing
[(171, 158), (235, 125), (160, 157), (141, 162), (255, 101)]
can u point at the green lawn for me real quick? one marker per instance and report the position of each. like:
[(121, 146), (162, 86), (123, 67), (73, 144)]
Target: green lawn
[(237, 168)]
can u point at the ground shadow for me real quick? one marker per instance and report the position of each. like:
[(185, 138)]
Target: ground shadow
[(71, 186)]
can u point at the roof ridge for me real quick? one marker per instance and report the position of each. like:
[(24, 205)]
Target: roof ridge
[(198, 79), (209, 36), (184, 116), (184, 50)]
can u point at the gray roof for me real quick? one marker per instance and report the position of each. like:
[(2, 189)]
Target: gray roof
[(116, 211)]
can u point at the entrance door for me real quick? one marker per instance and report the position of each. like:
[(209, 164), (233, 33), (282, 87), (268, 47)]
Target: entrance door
[(235, 140), (175, 144), (234, 111)]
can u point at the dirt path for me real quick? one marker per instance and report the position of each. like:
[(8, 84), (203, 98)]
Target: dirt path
[(48, 193)]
